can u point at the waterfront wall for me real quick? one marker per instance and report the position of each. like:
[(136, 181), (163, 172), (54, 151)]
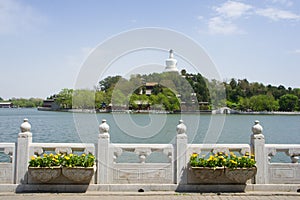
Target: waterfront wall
[(170, 172)]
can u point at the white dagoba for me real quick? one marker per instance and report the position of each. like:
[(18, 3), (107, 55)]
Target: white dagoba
[(171, 63)]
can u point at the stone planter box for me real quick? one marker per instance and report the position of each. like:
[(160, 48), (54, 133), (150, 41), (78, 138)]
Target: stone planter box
[(220, 175), (79, 174), (61, 175), (240, 175), (44, 174)]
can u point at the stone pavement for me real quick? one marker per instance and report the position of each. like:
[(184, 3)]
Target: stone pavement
[(150, 195)]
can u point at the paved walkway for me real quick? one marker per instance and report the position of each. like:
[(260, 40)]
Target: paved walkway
[(149, 196)]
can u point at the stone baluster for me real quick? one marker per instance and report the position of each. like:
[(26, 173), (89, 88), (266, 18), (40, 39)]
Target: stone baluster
[(271, 153), (24, 140), (294, 154), (181, 154), (258, 149), (143, 153), (103, 154), (295, 159)]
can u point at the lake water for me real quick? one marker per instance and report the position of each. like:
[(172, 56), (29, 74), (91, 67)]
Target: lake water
[(145, 128)]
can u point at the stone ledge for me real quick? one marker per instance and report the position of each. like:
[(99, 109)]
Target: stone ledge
[(250, 189)]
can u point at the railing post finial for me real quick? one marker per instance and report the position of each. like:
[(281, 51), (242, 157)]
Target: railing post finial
[(181, 127), (25, 126), (104, 128), (257, 128)]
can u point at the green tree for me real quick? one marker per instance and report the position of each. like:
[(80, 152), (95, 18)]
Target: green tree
[(280, 91), (183, 72), (296, 91), (100, 99), (118, 98), (288, 102), (109, 82), (84, 99), (64, 98), (27, 103), (263, 103), (244, 104)]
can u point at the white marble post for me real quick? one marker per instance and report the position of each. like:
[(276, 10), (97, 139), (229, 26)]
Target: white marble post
[(181, 157), (103, 154), (258, 149), (24, 140)]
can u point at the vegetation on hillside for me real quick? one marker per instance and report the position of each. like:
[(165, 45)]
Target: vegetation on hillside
[(245, 96), (181, 92), (174, 92)]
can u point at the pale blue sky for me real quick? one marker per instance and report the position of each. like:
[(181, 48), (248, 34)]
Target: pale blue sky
[(43, 43)]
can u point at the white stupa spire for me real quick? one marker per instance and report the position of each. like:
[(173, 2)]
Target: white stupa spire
[(171, 63)]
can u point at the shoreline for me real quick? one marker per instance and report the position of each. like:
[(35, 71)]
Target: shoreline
[(169, 112)]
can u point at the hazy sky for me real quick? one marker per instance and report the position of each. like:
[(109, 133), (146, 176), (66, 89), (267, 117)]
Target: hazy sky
[(44, 43)]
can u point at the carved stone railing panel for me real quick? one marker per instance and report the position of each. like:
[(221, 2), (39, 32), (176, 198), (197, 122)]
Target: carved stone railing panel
[(142, 171), (142, 150), (216, 148), (40, 148), (8, 149), (290, 150), (278, 172), (7, 169)]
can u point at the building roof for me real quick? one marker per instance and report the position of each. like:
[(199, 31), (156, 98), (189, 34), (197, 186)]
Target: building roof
[(151, 83), (5, 103)]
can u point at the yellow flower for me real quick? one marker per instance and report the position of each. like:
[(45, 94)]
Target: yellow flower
[(45, 155), (51, 155), (32, 157), (56, 156), (247, 154), (83, 155), (70, 154), (67, 157)]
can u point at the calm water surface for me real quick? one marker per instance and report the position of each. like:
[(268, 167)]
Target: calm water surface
[(83, 127)]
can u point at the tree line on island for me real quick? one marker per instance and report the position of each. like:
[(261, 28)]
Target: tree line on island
[(174, 92)]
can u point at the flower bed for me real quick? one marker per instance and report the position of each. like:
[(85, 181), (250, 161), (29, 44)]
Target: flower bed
[(62, 168), (222, 160), (221, 168)]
